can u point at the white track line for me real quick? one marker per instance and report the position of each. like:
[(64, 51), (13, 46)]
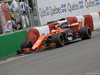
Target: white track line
[(95, 33), (11, 59)]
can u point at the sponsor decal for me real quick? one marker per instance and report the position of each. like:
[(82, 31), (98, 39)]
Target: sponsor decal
[(91, 3), (75, 6), (68, 7), (52, 10)]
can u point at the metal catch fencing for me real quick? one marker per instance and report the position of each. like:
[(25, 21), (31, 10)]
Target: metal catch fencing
[(26, 20)]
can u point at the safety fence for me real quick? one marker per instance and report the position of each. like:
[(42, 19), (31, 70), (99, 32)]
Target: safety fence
[(24, 20)]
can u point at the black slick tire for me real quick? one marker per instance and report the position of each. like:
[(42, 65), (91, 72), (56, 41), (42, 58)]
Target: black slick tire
[(26, 44), (58, 39), (85, 33)]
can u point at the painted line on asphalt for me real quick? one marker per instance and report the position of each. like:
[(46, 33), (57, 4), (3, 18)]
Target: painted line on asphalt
[(13, 58), (96, 32)]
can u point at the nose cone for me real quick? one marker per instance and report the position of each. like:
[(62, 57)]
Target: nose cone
[(34, 48), (38, 43)]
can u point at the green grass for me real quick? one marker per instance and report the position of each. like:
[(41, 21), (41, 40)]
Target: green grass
[(96, 30)]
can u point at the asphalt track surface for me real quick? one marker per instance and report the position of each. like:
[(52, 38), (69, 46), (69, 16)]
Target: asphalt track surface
[(77, 58)]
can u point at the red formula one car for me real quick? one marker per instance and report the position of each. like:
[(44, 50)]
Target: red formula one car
[(62, 34)]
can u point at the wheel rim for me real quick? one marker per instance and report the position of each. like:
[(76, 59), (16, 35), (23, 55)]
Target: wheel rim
[(61, 40), (89, 32)]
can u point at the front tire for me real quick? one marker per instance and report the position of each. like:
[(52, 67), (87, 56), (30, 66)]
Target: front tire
[(26, 44), (58, 39)]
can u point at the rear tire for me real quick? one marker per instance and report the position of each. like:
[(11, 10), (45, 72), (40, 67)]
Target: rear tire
[(85, 33), (58, 39)]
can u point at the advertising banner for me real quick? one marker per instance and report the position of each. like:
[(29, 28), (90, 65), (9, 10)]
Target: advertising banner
[(50, 10)]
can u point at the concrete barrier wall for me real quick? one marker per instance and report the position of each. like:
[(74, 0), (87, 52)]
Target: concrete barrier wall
[(96, 20), (88, 21), (92, 20), (35, 32), (10, 43)]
